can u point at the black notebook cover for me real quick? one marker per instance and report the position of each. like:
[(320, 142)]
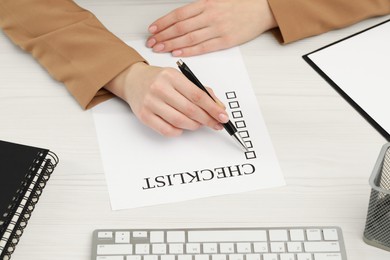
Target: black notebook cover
[(24, 171)]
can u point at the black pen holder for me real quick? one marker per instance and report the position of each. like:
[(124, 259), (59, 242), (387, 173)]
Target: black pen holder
[(377, 229)]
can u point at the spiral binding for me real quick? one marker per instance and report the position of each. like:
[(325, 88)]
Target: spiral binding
[(36, 180)]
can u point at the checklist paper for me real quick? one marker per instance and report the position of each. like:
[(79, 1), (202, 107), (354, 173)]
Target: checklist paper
[(143, 168)]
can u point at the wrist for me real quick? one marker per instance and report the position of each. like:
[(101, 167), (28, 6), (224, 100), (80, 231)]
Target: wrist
[(269, 18), (119, 85)]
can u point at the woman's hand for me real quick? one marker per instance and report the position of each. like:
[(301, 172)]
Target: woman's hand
[(210, 25), (165, 100)]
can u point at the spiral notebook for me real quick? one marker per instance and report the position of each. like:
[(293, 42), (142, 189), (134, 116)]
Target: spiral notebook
[(24, 171)]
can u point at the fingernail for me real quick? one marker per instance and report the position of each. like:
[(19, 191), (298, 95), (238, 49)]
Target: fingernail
[(218, 127), (158, 47), (177, 53), (151, 42), (223, 118), (152, 28)]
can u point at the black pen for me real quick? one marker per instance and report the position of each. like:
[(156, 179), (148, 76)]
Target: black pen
[(229, 127)]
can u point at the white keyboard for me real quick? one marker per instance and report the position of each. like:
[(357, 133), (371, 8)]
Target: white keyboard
[(293, 243)]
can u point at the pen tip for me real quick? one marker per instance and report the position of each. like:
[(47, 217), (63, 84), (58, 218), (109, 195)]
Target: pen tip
[(236, 136), (244, 146)]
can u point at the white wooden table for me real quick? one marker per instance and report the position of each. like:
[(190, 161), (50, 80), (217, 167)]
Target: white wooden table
[(325, 148)]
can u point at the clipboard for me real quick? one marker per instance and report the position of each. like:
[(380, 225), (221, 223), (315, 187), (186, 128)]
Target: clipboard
[(358, 68)]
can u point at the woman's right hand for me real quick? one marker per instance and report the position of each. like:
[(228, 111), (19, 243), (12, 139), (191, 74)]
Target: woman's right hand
[(165, 100)]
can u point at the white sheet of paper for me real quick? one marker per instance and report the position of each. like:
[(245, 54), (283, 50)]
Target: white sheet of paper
[(143, 168), (360, 67)]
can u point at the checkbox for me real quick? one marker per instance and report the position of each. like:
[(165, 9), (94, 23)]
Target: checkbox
[(231, 95), (240, 124), (237, 114), (248, 144), (244, 134), (250, 155), (234, 104)]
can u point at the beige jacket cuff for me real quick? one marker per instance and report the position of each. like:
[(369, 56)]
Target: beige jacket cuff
[(70, 43), (298, 19)]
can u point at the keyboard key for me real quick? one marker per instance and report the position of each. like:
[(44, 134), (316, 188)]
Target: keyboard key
[(304, 256), (114, 249), (109, 257), (210, 248), (297, 235), (142, 249), (193, 248), (330, 234), (159, 249), (226, 247), (122, 237), (244, 248), (321, 246), (176, 249), (270, 257), (150, 257), (218, 257), (313, 234), (157, 237), (201, 257), (278, 235), (105, 234), (277, 247), (294, 247), (327, 256), (227, 236), (142, 234), (252, 257), (287, 256), (236, 257), (184, 257), (260, 247), (175, 236), (167, 257), (133, 257)]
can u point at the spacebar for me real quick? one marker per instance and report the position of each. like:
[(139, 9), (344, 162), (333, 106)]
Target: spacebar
[(226, 235)]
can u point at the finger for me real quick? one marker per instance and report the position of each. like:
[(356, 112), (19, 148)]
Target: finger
[(179, 14), (161, 126), (211, 45), (217, 100), (176, 118), (201, 99), (165, 108), (190, 39), (178, 29), (191, 116)]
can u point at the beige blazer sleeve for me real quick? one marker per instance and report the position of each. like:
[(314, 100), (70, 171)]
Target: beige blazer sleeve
[(298, 19), (70, 43), (79, 51)]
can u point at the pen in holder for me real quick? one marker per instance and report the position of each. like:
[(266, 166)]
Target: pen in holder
[(377, 229)]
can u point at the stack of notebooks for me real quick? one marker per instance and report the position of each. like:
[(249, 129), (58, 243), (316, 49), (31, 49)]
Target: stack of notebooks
[(24, 171)]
